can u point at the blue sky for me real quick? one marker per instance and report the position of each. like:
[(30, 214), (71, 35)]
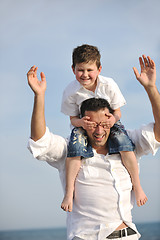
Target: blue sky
[(44, 33)]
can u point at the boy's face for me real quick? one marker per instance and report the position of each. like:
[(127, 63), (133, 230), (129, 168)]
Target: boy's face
[(86, 74)]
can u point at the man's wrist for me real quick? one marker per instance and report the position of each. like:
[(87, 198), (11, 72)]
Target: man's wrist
[(151, 89), (39, 95)]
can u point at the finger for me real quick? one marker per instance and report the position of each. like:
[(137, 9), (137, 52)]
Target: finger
[(94, 124), (29, 73), (141, 63), (108, 115), (136, 72), (43, 78), (90, 124), (86, 117), (145, 61), (32, 70), (35, 69), (35, 72), (151, 62)]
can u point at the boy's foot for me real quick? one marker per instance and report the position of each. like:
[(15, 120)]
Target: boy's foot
[(141, 197), (67, 204)]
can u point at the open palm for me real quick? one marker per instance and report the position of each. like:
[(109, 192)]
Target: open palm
[(147, 77), (38, 86)]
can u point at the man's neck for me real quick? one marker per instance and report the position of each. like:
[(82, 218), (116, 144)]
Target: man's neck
[(101, 150)]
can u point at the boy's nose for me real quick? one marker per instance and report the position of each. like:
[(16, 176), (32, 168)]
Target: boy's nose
[(85, 74)]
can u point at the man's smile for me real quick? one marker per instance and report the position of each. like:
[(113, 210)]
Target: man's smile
[(99, 137)]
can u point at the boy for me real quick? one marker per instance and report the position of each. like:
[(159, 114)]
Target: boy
[(87, 67)]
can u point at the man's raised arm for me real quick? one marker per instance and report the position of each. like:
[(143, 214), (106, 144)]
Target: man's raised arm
[(38, 125), (147, 78)]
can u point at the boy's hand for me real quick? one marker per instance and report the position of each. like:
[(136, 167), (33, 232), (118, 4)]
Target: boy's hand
[(110, 120), (148, 72), (86, 123), (38, 87)]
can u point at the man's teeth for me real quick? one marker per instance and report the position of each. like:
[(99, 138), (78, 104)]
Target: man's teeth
[(99, 136)]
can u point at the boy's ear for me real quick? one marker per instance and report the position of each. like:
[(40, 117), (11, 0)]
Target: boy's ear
[(73, 69), (100, 68)]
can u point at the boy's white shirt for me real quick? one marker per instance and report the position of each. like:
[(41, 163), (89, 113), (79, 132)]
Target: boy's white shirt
[(91, 217), (74, 94)]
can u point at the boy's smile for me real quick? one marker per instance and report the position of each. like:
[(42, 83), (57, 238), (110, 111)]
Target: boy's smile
[(87, 74)]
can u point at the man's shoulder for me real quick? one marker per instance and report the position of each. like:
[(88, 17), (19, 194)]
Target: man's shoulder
[(50, 147), (144, 139)]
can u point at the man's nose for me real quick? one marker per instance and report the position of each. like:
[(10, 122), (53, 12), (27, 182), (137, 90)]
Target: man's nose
[(99, 129)]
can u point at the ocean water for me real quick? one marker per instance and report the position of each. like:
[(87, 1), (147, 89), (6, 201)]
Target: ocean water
[(149, 231), (40, 234)]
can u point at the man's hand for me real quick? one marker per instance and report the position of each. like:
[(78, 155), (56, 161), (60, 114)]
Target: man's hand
[(148, 80), (38, 87), (147, 77)]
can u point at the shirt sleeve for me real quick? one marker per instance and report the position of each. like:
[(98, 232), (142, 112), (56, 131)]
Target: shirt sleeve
[(144, 140), (50, 148), (68, 105), (117, 100)]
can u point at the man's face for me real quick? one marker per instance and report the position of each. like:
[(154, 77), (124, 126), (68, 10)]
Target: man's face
[(98, 135)]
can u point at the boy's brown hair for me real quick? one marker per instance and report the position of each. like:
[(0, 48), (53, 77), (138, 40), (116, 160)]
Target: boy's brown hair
[(84, 54)]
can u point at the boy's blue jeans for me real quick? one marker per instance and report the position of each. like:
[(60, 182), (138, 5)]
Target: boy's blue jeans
[(118, 141)]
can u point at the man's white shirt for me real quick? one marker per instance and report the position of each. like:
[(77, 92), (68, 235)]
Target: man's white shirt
[(103, 196)]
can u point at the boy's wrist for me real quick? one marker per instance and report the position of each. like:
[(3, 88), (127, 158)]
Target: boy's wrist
[(81, 122), (116, 118), (77, 122)]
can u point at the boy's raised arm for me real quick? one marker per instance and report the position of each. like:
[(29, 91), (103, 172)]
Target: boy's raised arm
[(38, 125), (147, 78)]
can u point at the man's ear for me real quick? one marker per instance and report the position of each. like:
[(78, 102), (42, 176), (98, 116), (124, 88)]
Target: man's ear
[(73, 69)]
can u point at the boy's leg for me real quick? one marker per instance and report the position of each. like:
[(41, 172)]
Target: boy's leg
[(72, 168), (119, 142), (130, 162), (78, 147)]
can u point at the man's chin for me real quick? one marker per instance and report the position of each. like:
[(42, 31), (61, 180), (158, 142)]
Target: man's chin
[(99, 143)]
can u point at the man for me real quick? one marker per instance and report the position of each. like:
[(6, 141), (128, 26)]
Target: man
[(103, 196)]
